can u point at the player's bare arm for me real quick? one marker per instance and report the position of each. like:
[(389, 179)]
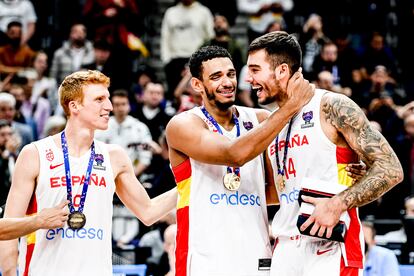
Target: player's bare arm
[(133, 194), (384, 171), (348, 126), (23, 184), (48, 218), (188, 135)]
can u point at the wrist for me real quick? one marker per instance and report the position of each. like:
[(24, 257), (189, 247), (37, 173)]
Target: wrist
[(339, 203)]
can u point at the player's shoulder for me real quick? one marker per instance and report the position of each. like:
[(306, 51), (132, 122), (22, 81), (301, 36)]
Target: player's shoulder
[(184, 119), (261, 114)]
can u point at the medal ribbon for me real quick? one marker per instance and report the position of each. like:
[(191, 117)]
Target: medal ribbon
[(281, 170), (69, 177), (216, 125)]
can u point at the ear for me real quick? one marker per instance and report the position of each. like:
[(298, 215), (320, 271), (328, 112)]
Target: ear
[(73, 107), (282, 72), (197, 85)]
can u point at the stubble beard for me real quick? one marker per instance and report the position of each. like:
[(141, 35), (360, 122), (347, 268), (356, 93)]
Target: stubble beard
[(221, 106)]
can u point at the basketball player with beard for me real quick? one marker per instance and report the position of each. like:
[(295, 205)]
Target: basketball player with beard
[(215, 153)]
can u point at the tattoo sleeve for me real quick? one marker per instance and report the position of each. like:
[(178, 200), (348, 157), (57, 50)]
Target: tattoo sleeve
[(384, 167)]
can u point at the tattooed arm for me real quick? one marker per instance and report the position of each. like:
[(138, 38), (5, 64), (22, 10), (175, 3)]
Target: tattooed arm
[(385, 170), (346, 125)]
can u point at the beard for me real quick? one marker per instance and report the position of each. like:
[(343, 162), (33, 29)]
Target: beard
[(278, 93), (221, 106), (78, 42)]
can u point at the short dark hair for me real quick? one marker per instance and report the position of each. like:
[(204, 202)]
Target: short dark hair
[(120, 93), (280, 47), (14, 24), (203, 54), (102, 44)]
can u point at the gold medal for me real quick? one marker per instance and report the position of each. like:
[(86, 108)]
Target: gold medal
[(280, 182), (76, 220), (231, 181)]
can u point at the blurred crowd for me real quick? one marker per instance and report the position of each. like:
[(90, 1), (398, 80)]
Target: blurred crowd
[(358, 48)]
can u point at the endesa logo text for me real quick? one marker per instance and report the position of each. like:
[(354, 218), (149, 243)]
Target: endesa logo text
[(235, 199), (289, 197), (68, 233)]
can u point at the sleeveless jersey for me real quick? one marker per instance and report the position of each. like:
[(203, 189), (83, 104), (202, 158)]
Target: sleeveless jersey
[(312, 154), (63, 251), (222, 232)]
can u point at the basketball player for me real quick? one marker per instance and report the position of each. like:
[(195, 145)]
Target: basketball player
[(215, 152), (87, 172), (12, 228), (327, 133)]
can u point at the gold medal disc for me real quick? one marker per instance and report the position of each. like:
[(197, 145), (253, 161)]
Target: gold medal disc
[(280, 182), (76, 220), (231, 181)]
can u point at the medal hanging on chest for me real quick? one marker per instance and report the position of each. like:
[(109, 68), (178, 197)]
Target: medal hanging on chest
[(77, 219), (231, 180), (280, 178)]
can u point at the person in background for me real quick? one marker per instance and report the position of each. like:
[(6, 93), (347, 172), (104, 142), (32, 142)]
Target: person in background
[(21, 11), (76, 52), (380, 261), (185, 27)]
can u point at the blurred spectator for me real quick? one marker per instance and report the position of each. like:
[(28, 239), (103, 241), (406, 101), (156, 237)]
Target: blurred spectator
[(73, 55), (325, 80), (45, 86), (379, 260), (151, 111), (159, 177), (261, 13), (34, 107), (185, 96), (125, 226), (311, 40), (7, 112), (120, 24), (103, 61), (18, 92), (21, 11), (226, 8), (245, 96), (128, 132), (380, 90), (185, 27), (170, 234), (110, 19), (348, 59), (399, 236), (9, 144), (223, 39), (378, 53), (54, 124), (327, 60), (15, 56), (154, 239), (144, 75)]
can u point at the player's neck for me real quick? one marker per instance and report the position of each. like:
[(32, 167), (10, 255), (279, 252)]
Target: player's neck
[(223, 117), (79, 139)]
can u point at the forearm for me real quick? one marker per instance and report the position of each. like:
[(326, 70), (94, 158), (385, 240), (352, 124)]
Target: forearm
[(381, 177), (255, 142), (161, 206), (8, 257), (13, 228)]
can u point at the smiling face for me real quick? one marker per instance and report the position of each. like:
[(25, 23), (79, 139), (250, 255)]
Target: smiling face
[(218, 84), (93, 111), (263, 78)]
